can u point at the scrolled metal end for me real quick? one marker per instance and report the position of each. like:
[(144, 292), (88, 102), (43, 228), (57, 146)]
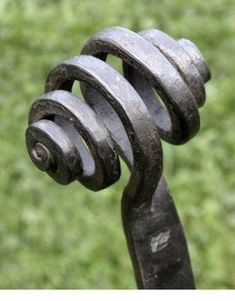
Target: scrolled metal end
[(52, 151), (65, 139)]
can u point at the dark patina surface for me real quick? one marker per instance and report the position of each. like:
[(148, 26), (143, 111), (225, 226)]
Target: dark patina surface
[(123, 116)]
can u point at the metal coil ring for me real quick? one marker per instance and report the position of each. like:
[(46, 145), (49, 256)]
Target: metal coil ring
[(123, 116)]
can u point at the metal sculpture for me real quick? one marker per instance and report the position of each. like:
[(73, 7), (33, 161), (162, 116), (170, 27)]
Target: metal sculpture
[(122, 116)]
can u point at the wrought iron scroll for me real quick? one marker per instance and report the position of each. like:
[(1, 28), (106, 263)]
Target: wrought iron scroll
[(157, 97)]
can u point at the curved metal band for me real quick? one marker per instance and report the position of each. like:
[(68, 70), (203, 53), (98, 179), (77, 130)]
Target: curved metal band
[(180, 121)]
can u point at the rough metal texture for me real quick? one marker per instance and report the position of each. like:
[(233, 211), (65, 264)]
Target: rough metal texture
[(122, 116)]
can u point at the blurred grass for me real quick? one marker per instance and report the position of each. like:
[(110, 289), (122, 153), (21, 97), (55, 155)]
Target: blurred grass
[(67, 237)]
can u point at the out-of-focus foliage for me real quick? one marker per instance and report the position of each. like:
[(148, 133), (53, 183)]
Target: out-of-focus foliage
[(67, 237)]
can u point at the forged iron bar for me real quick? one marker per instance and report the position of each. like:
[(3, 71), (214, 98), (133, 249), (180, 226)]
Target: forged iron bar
[(122, 115)]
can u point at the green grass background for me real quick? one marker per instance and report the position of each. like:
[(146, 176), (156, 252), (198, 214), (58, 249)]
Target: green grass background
[(68, 237)]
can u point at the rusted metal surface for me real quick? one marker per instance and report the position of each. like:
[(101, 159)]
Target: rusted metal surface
[(122, 116)]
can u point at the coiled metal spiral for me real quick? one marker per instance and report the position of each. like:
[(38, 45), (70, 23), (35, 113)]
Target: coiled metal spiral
[(122, 115)]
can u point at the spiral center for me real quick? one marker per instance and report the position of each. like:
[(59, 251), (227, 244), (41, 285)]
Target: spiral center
[(41, 156)]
